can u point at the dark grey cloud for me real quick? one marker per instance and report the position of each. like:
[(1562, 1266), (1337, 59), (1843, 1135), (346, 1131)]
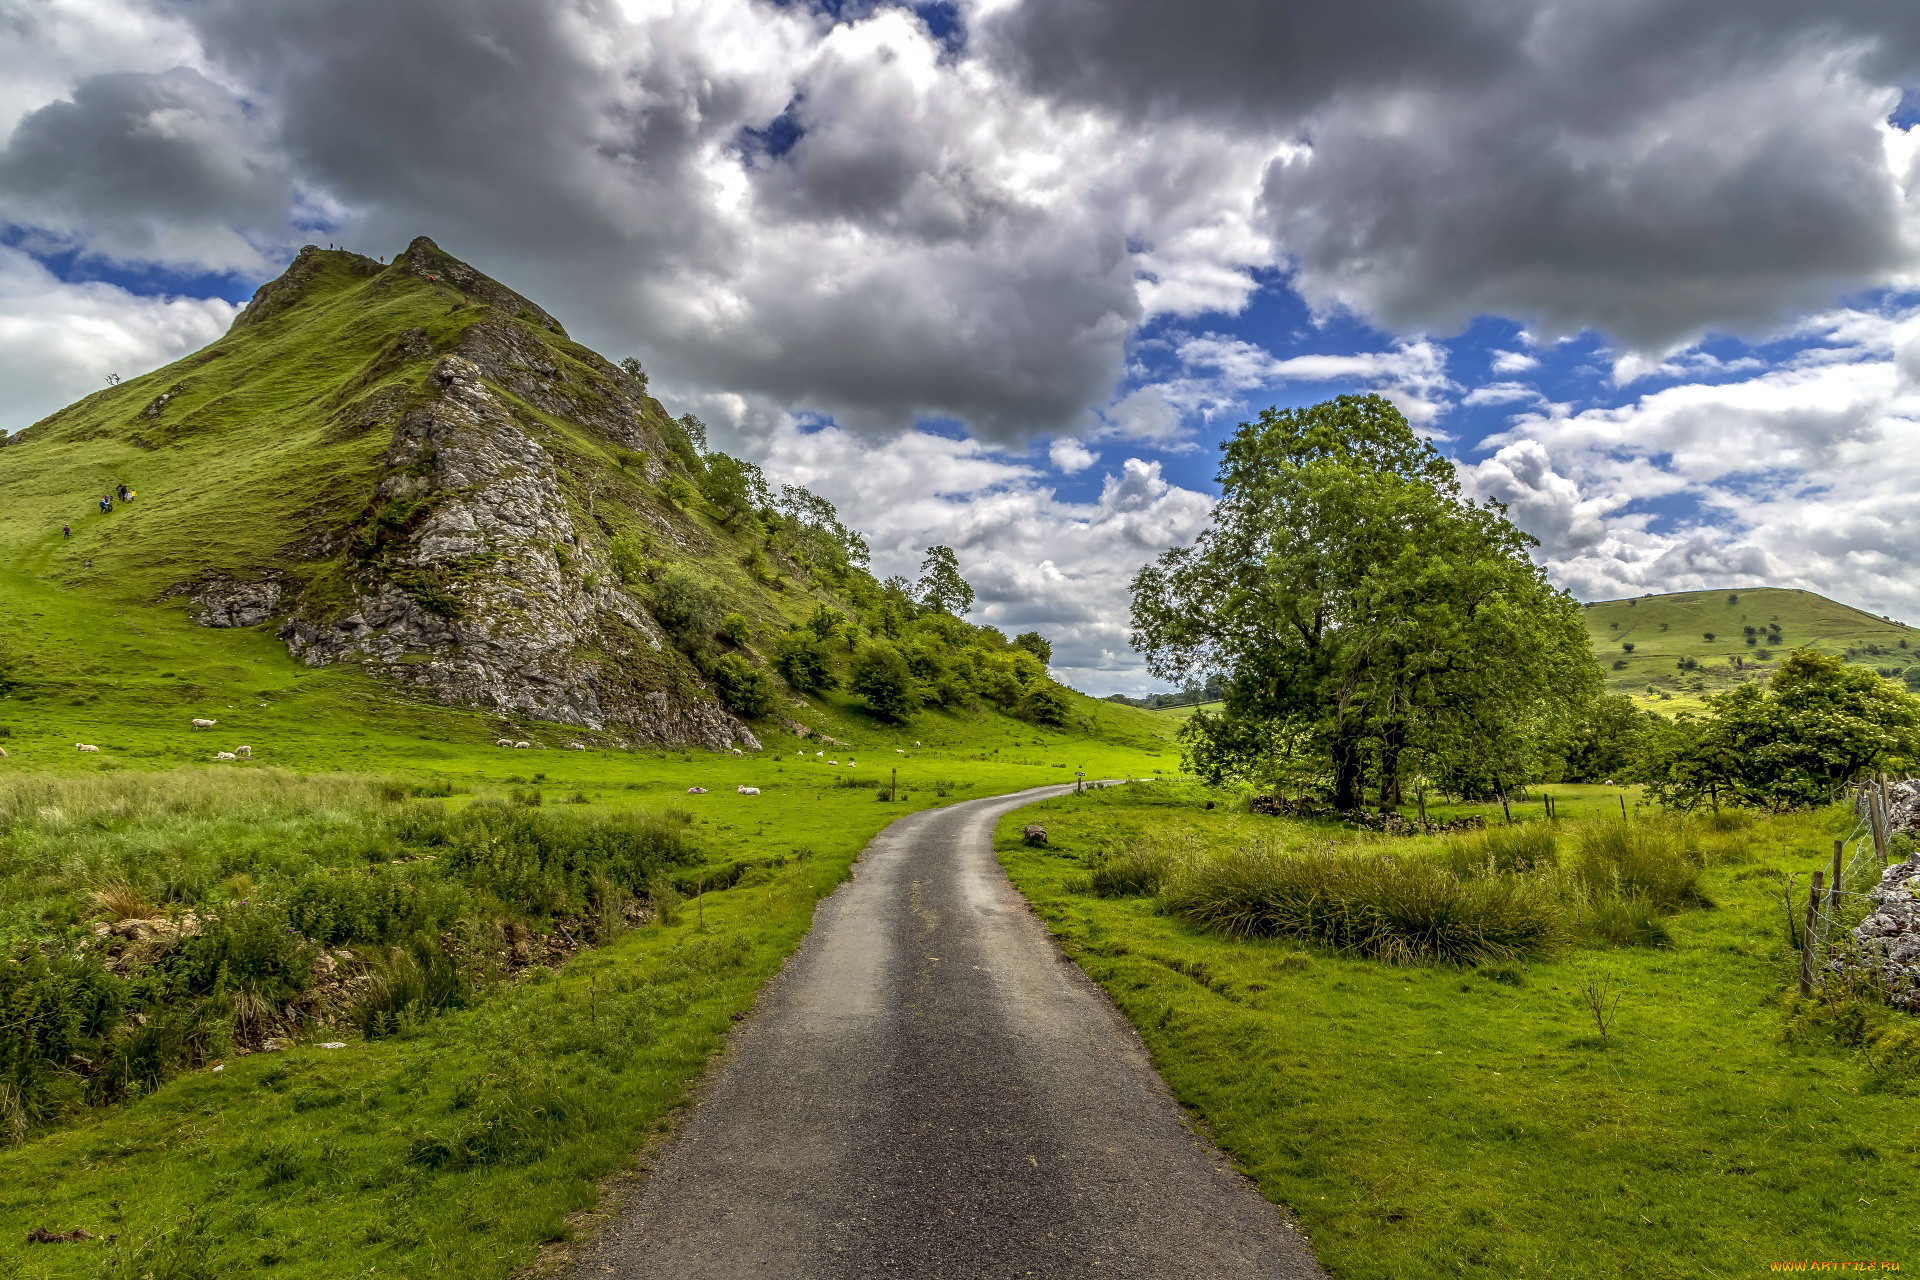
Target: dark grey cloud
[(1649, 168), (165, 166), (1251, 61)]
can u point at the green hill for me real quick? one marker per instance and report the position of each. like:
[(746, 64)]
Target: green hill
[(1673, 649), (398, 502)]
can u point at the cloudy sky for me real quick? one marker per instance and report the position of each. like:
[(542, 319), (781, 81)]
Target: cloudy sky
[(1002, 273)]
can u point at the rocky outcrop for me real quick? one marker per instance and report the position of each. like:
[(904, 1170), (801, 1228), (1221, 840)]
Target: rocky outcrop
[(223, 602), (475, 587), (1888, 940)]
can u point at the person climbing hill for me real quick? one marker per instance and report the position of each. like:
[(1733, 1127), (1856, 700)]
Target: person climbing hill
[(106, 503)]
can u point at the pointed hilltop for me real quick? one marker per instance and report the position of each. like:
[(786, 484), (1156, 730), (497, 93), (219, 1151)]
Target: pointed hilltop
[(411, 470)]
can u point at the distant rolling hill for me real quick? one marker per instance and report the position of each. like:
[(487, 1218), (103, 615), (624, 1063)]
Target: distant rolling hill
[(1670, 650)]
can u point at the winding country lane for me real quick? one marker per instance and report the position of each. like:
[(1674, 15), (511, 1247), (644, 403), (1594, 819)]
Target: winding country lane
[(931, 1089)]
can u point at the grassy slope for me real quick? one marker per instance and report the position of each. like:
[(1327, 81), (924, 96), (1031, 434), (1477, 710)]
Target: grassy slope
[(1664, 629), (1431, 1122)]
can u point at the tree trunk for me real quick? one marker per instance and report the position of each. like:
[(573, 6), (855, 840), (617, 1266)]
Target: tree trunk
[(1347, 781), (1390, 773)]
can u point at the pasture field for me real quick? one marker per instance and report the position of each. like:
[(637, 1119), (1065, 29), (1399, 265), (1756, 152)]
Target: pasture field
[(1463, 1119), (452, 1142), (1750, 629)]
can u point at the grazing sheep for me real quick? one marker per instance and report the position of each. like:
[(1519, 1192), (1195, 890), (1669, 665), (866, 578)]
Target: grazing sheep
[(576, 746), (737, 751), (522, 746), (696, 791), (833, 762), (204, 724), (503, 742), (245, 753), (225, 755), (818, 754), (85, 746), (748, 791), (899, 751)]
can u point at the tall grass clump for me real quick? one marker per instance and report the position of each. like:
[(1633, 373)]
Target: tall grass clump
[(1400, 910), (1139, 871), (1528, 846), (1657, 863)]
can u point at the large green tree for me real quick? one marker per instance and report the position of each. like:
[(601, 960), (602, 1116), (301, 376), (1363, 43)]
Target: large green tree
[(1368, 618)]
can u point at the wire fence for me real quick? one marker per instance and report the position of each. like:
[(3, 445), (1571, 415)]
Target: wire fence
[(1841, 896)]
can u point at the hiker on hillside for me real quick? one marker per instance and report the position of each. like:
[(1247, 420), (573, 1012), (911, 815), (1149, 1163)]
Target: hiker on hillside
[(122, 492), (106, 503), (66, 531)]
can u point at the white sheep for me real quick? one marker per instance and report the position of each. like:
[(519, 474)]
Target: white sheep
[(86, 746), (916, 742), (522, 746), (576, 746), (748, 791), (737, 751), (899, 751), (225, 755), (245, 753), (503, 742), (818, 754), (204, 724), (696, 791), (833, 762)]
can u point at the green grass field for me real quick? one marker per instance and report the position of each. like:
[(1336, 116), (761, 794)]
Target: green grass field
[(1666, 629), (317, 1162), (1442, 1121)]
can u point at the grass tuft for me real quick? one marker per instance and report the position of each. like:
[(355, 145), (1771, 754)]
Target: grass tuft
[(1400, 910)]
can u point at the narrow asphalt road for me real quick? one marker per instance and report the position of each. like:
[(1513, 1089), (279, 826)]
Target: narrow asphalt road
[(931, 1089)]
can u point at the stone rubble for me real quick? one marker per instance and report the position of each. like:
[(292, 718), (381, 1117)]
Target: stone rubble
[(1889, 939)]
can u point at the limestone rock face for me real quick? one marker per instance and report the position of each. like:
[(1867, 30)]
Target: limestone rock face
[(1889, 939), (478, 589)]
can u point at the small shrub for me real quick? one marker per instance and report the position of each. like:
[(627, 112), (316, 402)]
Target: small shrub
[(688, 608), (735, 630), (803, 661), (744, 689)]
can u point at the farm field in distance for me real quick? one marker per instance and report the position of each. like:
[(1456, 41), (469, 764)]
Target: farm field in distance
[(1753, 627)]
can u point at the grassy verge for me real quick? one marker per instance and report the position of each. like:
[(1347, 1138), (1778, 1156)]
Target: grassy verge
[(1440, 1120)]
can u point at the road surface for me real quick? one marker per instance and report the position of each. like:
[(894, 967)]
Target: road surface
[(931, 1089)]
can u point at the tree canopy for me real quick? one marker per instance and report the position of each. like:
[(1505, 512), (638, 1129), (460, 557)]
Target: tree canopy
[(1814, 726), (942, 589), (1367, 619)]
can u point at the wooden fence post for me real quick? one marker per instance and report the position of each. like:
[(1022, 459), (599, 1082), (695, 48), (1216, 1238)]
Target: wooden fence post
[(1881, 824), (1621, 796), (1421, 797), (1833, 888), (893, 794), (1806, 937)]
